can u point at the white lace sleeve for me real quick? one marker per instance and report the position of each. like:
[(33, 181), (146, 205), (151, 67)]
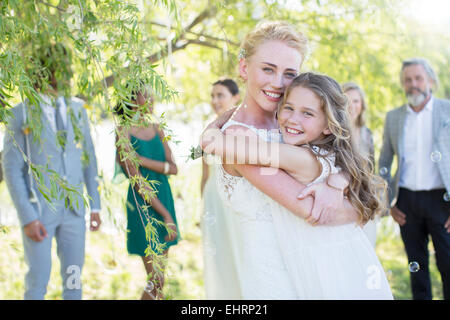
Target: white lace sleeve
[(237, 192), (226, 183), (327, 162)]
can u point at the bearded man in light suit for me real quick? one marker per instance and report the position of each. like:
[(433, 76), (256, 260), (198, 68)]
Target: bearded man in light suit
[(65, 145), (418, 133)]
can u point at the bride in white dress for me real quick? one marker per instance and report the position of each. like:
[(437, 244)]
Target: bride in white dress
[(270, 58), (327, 262)]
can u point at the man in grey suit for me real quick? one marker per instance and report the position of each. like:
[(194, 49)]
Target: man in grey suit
[(418, 134), (70, 153)]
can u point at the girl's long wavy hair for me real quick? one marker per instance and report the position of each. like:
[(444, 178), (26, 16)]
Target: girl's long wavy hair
[(365, 190)]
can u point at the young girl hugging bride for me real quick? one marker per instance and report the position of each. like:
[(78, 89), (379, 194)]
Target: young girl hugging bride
[(326, 261)]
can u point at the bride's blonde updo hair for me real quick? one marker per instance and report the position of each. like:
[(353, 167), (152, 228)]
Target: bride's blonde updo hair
[(273, 31)]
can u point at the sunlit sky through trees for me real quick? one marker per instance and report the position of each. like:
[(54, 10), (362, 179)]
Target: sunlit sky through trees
[(430, 11)]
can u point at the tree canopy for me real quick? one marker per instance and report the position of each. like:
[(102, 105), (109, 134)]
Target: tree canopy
[(181, 47), (174, 42)]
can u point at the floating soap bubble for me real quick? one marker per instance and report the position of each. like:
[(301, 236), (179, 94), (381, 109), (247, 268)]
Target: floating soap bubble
[(447, 197), (389, 274), (149, 288), (414, 266), (447, 126), (209, 249), (436, 156), (383, 171), (209, 218)]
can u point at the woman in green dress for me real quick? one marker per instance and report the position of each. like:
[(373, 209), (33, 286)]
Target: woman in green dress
[(158, 212)]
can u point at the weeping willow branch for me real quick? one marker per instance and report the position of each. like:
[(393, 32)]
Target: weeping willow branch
[(178, 43)]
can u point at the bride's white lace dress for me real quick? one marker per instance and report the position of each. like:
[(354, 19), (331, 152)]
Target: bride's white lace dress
[(260, 267), (280, 256)]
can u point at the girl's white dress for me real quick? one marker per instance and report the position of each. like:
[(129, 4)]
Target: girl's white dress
[(280, 256)]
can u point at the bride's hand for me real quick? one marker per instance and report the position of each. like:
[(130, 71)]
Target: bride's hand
[(328, 201)]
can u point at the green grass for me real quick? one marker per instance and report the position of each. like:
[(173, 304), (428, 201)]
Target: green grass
[(390, 251), (109, 272)]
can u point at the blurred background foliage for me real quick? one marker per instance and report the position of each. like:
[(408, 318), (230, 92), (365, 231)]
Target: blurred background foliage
[(184, 46), (181, 47)]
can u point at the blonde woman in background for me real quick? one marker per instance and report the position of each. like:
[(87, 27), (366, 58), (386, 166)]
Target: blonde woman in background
[(363, 138), (219, 269)]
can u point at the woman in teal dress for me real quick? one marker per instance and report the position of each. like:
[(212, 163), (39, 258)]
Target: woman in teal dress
[(158, 213)]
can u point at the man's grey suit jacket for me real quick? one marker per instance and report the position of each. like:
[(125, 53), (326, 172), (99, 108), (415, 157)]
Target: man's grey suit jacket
[(393, 144), (48, 152)]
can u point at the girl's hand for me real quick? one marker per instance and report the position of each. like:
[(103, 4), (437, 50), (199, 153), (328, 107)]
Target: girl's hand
[(222, 119), (211, 137), (328, 201), (213, 132)]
